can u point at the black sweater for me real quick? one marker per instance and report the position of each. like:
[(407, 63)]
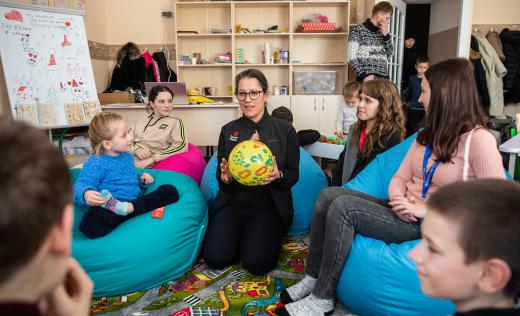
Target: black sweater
[(388, 142), (280, 137)]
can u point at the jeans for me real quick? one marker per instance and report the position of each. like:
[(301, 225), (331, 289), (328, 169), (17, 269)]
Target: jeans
[(339, 214)]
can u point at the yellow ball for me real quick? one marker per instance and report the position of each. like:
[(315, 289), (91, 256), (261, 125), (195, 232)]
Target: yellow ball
[(250, 162)]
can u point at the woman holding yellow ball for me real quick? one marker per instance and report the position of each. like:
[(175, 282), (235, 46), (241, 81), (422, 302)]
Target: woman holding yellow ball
[(247, 222)]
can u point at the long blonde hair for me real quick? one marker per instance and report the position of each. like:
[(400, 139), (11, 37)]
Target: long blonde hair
[(101, 129)]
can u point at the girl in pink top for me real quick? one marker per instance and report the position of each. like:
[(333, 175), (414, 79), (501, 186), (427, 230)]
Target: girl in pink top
[(453, 145)]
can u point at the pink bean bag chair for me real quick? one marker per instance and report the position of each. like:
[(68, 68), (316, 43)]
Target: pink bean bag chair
[(190, 163)]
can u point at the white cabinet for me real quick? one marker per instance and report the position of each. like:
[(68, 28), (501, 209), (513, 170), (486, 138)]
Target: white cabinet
[(275, 101), (317, 112)]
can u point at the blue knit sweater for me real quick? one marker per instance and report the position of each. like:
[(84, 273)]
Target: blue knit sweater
[(113, 173)]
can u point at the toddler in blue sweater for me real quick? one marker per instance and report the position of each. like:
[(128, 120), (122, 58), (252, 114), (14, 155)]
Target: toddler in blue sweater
[(108, 182)]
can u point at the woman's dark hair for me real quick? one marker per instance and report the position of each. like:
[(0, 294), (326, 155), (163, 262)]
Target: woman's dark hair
[(252, 73), (454, 107), (129, 50), (154, 92), (389, 117)]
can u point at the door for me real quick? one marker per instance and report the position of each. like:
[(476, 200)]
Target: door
[(329, 105), (397, 25), (305, 112)]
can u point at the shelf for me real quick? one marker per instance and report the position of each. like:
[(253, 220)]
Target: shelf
[(330, 34), (260, 34), (203, 3), (261, 65), (178, 106), (320, 64), (205, 65), (204, 35)]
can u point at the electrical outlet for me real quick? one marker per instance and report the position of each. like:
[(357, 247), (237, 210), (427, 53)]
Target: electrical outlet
[(167, 14)]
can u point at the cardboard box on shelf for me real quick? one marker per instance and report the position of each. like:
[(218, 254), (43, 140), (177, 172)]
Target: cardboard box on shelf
[(118, 97)]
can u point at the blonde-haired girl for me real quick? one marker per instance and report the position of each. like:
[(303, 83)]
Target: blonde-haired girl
[(108, 182)]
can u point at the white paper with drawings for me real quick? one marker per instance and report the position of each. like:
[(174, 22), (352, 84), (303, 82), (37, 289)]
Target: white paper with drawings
[(47, 66)]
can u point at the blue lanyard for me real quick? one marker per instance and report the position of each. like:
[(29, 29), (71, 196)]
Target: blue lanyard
[(427, 175)]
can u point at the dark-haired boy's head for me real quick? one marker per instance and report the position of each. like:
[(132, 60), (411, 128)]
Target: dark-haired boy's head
[(35, 206), (283, 113), (422, 63), (470, 251)]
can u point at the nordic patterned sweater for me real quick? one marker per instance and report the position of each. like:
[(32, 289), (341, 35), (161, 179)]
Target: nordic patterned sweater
[(116, 174), (368, 51)]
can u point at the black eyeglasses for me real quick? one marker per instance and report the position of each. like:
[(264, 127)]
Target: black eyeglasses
[(242, 96)]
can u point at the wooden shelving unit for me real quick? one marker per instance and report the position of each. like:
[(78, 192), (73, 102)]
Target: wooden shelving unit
[(307, 51)]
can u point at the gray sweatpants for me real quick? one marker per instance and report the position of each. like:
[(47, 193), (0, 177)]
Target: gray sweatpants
[(338, 215)]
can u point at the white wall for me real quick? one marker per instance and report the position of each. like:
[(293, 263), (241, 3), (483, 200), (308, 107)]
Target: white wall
[(444, 15)]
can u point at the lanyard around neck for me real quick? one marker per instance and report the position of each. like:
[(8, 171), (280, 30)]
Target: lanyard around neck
[(427, 175)]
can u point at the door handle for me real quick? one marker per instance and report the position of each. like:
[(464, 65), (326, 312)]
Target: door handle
[(323, 104), (314, 104)]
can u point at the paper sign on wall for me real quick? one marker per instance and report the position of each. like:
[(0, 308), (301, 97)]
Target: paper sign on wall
[(47, 66)]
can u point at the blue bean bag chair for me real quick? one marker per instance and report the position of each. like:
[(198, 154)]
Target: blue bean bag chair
[(305, 192), (379, 278), (145, 252)]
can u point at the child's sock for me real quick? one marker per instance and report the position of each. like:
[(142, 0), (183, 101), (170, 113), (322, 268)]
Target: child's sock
[(309, 306), (298, 291), (113, 204)]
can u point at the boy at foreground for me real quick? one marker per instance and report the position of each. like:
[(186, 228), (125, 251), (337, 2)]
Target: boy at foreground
[(37, 274), (470, 249)]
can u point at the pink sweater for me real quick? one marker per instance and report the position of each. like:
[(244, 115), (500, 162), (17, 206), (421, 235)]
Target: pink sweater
[(484, 162)]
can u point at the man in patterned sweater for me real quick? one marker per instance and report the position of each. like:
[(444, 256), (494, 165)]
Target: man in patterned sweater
[(370, 45)]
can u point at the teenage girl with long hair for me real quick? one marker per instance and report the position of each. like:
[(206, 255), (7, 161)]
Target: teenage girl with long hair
[(453, 145)]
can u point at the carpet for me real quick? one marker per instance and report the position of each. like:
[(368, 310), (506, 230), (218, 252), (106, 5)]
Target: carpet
[(204, 291)]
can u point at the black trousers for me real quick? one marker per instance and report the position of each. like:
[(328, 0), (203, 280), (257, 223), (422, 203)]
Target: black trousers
[(98, 222), (250, 235), (413, 118)]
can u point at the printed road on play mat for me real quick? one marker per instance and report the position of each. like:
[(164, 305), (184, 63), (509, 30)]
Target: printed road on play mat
[(204, 291)]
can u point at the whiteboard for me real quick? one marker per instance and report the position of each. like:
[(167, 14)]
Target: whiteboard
[(47, 67)]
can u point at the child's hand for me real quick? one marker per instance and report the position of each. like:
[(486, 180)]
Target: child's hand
[(408, 209), (92, 198), (340, 135), (146, 178), (142, 153), (225, 175)]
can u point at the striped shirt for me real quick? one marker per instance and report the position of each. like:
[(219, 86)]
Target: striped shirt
[(162, 135)]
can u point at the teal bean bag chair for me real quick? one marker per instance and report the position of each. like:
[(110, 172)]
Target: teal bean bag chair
[(145, 252), (305, 192)]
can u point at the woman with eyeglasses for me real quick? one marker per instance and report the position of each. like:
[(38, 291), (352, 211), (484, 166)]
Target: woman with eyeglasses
[(157, 135), (247, 223)]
